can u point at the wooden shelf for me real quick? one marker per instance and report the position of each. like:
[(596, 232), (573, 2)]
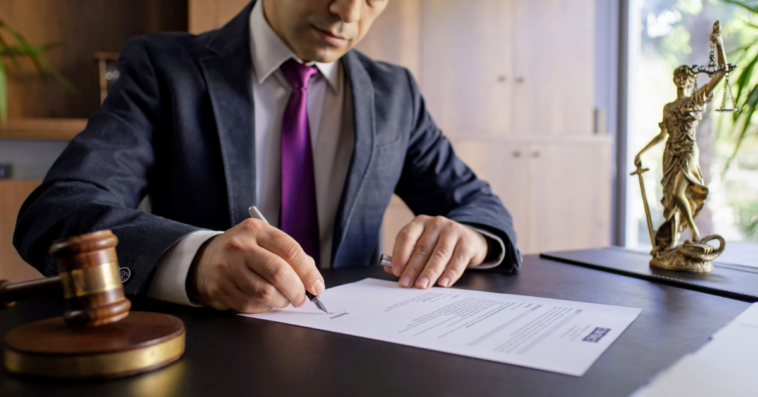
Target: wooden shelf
[(43, 129)]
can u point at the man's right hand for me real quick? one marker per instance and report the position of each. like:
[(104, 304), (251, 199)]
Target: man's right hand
[(252, 268)]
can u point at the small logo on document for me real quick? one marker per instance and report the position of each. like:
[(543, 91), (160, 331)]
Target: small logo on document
[(597, 334)]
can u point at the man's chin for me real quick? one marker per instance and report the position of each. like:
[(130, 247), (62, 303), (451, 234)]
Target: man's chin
[(323, 53)]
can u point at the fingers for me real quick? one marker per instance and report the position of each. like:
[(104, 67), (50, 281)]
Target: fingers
[(241, 302), (421, 253), (284, 246), (438, 260), (280, 277), (227, 296), (459, 262), (252, 267), (431, 249), (260, 289), (405, 242)]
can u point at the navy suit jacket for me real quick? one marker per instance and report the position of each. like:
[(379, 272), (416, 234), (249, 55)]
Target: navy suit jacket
[(178, 128)]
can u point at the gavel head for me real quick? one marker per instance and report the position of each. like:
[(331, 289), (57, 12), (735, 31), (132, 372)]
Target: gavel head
[(92, 289)]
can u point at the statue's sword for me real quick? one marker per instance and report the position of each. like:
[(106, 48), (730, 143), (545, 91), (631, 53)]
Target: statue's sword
[(639, 173)]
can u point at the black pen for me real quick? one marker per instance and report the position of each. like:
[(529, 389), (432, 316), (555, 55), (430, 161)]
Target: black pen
[(255, 213), (385, 260)]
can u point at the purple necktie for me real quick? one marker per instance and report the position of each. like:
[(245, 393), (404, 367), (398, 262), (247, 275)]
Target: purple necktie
[(299, 217)]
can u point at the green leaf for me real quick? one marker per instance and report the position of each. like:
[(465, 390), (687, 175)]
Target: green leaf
[(16, 35), (41, 65), (739, 49), (750, 103), (3, 45), (26, 50), (741, 4), (750, 24), (62, 80), (743, 83)]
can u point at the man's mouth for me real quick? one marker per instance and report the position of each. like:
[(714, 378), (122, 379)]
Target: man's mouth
[(330, 38)]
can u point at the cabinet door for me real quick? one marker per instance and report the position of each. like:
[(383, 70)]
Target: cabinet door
[(504, 165), (394, 36), (554, 63), (12, 196), (570, 195), (466, 64), (205, 15)]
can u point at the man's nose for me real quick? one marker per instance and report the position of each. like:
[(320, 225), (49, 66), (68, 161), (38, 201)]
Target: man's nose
[(348, 11)]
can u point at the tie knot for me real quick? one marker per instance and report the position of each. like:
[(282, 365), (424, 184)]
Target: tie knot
[(298, 74)]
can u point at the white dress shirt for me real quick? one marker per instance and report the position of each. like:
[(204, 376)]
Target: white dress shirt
[(332, 145)]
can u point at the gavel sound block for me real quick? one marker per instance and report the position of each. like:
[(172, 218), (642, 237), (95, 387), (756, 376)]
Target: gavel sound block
[(97, 337)]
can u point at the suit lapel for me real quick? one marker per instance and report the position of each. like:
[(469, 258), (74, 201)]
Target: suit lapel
[(228, 75), (344, 243)]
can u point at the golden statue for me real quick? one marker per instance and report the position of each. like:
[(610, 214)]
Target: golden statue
[(684, 191)]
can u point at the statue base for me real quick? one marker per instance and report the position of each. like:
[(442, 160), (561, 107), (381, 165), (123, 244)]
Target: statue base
[(690, 257), (673, 260)]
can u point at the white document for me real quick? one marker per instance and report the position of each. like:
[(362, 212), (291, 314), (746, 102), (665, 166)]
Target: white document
[(725, 366), (548, 334)]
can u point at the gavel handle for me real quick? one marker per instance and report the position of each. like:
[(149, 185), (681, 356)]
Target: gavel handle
[(10, 293)]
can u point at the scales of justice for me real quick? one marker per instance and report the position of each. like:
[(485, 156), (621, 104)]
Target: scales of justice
[(684, 191)]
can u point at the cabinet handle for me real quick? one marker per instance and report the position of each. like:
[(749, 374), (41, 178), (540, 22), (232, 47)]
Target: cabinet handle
[(501, 79), (517, 153), (520, 80), (536, 154)]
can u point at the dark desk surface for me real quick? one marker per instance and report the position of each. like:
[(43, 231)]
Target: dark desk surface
[(230, 355)]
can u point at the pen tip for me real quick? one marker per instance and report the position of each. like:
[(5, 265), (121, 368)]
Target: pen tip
[(320, 305)]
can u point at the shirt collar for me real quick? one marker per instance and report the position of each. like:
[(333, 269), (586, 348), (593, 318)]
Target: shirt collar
[(269, 51)]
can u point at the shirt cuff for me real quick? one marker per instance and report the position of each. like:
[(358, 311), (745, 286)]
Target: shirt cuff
[(493, 241), (169, 283)]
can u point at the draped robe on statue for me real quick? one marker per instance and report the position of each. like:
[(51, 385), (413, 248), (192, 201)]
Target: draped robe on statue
[(680, 156)]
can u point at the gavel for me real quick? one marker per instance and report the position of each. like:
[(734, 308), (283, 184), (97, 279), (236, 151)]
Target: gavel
[(97, 337), (88, 276)]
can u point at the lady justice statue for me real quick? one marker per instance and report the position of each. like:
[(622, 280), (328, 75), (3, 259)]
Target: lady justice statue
[(684, 192)]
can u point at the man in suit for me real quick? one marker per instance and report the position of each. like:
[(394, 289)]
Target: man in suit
[(274, 109)]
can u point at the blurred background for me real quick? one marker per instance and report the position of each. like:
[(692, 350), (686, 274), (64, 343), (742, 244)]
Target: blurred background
[(548, 100), (663, 35)]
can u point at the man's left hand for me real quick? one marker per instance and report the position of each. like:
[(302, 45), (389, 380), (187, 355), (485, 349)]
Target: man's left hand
[(432, 248)]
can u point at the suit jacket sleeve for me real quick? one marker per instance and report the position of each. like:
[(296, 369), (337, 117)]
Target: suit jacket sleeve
[(103, 174), (435, 182)]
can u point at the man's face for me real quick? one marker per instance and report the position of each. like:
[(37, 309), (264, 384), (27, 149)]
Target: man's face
[(322, 30)]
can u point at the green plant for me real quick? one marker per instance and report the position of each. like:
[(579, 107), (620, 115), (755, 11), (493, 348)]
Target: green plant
[(13, 52), (746, 86), (746, 216)]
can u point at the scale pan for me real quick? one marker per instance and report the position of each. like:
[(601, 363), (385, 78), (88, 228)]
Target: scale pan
[(726, 110)]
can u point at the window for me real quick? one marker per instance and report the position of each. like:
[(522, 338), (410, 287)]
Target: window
[(664, 34)]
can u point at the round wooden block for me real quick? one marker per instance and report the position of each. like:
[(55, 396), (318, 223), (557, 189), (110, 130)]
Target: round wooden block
[(139, 343)]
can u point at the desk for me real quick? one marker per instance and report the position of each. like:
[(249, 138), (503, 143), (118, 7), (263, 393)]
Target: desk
[(231, 355)]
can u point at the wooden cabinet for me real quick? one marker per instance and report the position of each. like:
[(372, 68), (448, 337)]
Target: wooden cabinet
[(395, 36), (502, 163), (553, 55), (509, 67), (467, 64), (510, 82), (12, 196), (569, 195), (558, 191), (205, 15)]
